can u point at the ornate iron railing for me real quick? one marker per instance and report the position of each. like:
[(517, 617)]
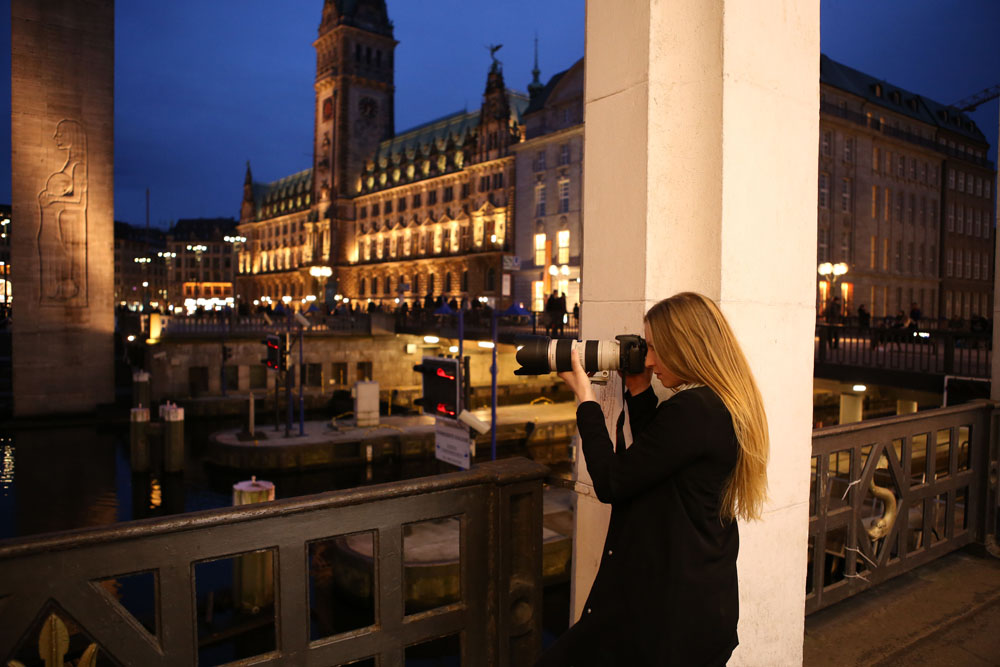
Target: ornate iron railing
[(490, 603), (889, 495)]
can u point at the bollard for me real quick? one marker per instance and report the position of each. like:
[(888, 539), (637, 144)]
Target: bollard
[(140, 389), (252, 429), (173, 438), (253, 574), (139, 439)]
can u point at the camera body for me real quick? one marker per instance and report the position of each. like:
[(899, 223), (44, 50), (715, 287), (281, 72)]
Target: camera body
[(540, 355)]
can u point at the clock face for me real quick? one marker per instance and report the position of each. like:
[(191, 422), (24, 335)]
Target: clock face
[(368, 107), (327, 108)]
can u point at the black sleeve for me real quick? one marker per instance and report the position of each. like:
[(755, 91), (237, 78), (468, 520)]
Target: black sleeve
[(641, 410), (668, 443)]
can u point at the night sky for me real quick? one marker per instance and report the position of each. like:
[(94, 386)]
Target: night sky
[(201, 86)]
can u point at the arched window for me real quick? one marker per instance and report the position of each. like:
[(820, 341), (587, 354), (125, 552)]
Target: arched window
[(491, 279), (430, 283), (447, 282), (364, 286), (374, 285), (465, 281)]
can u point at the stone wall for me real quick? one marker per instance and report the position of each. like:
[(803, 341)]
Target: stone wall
[(62, 255)]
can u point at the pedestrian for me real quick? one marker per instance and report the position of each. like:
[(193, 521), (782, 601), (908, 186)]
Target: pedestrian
[(559, 314), (666, 588), (576, 314), (864, 318), (549, 315), (832, 316)]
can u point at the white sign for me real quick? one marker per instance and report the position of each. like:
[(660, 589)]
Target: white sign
[(506, 285), (452, 443)]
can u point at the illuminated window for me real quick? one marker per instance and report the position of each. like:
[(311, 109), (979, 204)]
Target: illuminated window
[(537, 296), (876, 158), (873, 254), (874, 202), (540, 250), (562, 240)]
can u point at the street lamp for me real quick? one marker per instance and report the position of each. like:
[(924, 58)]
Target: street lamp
[(831, 273)]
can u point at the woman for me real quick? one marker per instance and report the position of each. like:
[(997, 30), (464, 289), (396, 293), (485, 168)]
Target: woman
[(666, 590)]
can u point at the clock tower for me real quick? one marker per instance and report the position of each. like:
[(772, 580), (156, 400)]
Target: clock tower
[(354, 102)]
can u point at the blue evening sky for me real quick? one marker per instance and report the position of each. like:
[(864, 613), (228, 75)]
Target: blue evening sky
[(201, 86)]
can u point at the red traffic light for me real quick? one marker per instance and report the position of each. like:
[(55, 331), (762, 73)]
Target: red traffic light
[(442, 374)]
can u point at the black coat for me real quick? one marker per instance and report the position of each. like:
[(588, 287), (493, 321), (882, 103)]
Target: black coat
[(666, 590)]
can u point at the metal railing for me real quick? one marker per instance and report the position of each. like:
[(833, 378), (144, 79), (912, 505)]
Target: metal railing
[(889, 495), (938, 352), (210, 325), (496, 614)]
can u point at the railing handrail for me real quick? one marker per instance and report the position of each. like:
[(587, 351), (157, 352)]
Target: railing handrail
[(503, 471), (897, 420)]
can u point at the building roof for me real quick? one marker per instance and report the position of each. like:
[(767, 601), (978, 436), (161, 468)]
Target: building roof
[(538, 101), (429, 149), (285, 195), (884, 94), (124, 231)]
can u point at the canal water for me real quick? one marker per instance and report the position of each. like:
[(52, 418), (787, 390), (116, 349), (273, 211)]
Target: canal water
[(74, 476)]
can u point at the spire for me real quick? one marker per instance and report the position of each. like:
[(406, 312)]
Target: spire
[(249, 178), (536, 85)]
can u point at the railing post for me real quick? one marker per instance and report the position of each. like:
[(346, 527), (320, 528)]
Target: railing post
[(515, 613)]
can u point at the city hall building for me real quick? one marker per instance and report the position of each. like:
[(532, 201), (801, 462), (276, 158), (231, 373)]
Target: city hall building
[(381, 216)]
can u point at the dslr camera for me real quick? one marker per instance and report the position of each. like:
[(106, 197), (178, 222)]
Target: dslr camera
[(540, 355)]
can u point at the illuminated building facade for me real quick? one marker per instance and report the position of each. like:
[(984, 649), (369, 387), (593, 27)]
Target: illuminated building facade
[(140, 268), (425, 211), (550, 191), (5, 290), (200, 261), (904, 201)]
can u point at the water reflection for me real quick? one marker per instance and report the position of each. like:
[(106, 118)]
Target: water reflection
[(76, 477)]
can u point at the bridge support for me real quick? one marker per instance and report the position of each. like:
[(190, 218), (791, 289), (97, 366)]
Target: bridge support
[(699, 145)]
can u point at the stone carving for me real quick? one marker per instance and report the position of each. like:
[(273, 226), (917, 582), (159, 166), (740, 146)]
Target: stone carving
[(62, 229)]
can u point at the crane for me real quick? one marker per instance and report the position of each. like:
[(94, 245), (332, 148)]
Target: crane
[(972, 101)]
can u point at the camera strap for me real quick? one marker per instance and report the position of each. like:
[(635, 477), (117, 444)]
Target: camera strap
[(620, 428)]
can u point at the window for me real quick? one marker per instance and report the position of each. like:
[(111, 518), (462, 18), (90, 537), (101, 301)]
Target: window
[(540, 250), (540, 199), (432, 198), (923, 210), (874, 202), (951, 179), (417, 200), (951, 217), (913, 169), (873, 253), (898, 259), (845, 195), (563, 195), (885, 254), (562, 240), (845, 246), (491, 279), (374, 285), (876, 158), (465, 281), (824, 190), (823, 242), (920, 259), (449, 193), (960, 220), (826, 143), (540, 161), (975, 266), (931, 259), (848, 149), (886, 203), (564, 154), (363, 212), (364, 371), (900, 166), (899, 207), (961, 181), (968, 263), (498, 180), (537, 296), (911, 211), (949, 262), (388, 206), (364, 287), (338, 372), (465, 190)]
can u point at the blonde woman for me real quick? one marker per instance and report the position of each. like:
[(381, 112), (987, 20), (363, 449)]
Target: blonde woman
[(666, 590)]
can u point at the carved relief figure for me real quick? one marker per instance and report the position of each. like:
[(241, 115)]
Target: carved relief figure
[(62, 229)]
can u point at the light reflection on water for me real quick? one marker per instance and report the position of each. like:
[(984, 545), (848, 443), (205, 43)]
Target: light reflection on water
[(76, 477)]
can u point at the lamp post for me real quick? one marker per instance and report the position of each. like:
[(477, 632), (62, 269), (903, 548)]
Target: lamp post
[(318, 273), (832, 273)]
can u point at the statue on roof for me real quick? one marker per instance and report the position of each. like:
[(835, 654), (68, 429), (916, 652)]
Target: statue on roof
[(493, 54)]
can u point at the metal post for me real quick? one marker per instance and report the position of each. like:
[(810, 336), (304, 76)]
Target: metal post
[(289, 373), (493, 393), (461, 374), (302, 402), (276, 400)]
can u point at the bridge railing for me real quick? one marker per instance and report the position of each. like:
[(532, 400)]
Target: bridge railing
[(889, 495), (58, 581), (940, 352)]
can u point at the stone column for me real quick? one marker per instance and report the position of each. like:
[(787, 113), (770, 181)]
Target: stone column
[(700, 174), (62, 250)]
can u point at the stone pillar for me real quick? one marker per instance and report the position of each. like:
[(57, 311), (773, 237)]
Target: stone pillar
[(701, 148), (851, 408), (62, 250)]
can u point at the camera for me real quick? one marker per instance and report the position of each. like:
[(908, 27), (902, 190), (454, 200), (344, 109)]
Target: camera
[(540, 355)]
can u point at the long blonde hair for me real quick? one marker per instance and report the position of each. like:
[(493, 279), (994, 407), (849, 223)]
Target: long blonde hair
[(692, 338)]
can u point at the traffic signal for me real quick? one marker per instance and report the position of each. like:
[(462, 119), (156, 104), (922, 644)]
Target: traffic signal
[(274, 357), (440, 386)]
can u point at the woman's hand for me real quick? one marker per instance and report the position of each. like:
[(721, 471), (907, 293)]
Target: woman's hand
[(577, 379), (638, 382)]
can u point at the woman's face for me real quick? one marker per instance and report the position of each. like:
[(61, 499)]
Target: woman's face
[(667, 378)]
